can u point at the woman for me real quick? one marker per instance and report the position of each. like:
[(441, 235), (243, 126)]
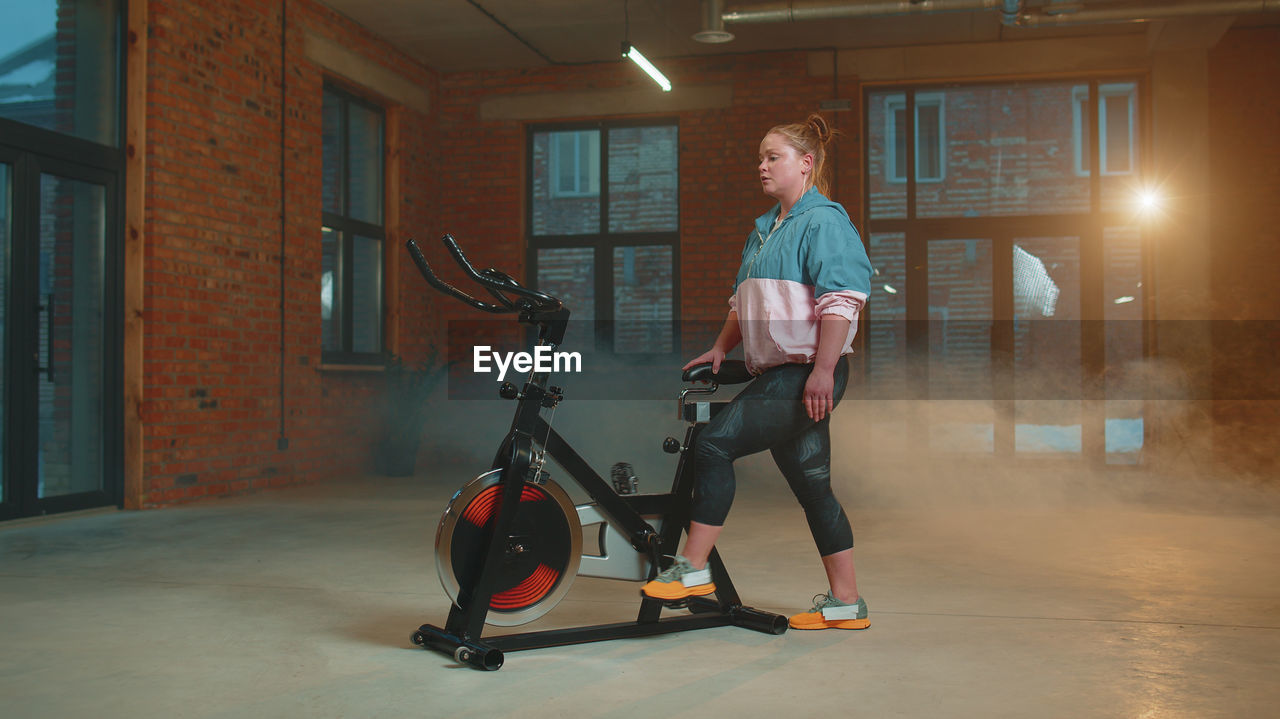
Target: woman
[(804, 278)]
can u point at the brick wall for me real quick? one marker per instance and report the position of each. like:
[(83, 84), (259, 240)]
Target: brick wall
[(213, 284), (212, 362), (719, 190)]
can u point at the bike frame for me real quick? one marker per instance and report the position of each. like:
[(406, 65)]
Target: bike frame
[(462, 636)]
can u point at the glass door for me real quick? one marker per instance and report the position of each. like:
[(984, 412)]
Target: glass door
[(7, 503), (55, 223), (69, 336), (62, 163)]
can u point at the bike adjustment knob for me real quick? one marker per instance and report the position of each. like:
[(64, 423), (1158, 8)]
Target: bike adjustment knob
[(671, 445), (508, 391)]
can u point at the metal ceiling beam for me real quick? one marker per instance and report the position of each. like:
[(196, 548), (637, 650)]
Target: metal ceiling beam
[(1147, 13), (790, 11), (1011, 11)]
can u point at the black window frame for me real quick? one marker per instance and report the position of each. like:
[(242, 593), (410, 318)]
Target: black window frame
[(603, 241), (346, 228)]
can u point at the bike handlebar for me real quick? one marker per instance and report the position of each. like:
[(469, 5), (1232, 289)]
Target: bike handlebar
[(499, 284)]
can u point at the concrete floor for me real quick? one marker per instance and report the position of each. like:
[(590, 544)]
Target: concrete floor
[(300, 603)]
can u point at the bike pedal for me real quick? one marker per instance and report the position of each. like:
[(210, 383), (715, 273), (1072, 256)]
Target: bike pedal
[(676, 603), (624, 479)]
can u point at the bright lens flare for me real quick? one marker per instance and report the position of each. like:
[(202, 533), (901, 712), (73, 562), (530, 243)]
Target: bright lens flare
[(1149, 201)]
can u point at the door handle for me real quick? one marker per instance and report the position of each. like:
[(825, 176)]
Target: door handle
[(47, 309)]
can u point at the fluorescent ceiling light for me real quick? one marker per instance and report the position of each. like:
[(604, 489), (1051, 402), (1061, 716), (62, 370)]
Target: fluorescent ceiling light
[(643, 62)]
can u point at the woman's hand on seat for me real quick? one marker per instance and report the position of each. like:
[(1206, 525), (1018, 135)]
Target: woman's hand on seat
[(713, 355)]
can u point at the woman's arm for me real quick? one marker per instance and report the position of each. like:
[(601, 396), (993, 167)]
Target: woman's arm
[(730, 336), (819, 390)]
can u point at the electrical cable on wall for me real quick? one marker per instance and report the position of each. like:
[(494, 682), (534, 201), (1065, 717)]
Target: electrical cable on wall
[(282, 442), (512, 32), (835, 96)]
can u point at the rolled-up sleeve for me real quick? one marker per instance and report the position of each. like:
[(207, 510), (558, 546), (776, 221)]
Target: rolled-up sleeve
[(845, 303), (838, 267)]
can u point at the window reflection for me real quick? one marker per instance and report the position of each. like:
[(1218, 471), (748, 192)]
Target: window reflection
[(642, 299), (1124, 299), (1047, 354), (353, 196), (366, 304), (960, 314), (58, 71), (566, 182), (569, 273), (887, 309), (930, 137), (643, 179), (71, 342), (5, 219), (330, 292)]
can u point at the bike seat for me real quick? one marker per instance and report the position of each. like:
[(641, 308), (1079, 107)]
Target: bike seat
[(731, 372)]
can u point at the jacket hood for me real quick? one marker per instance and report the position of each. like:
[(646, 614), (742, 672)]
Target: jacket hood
[(809, 201)]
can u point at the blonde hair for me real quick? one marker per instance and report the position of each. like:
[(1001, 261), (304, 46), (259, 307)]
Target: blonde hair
[(810, 137)]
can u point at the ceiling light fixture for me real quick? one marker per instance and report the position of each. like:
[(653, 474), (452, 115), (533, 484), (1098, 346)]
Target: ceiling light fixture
[(643, 62), (629, 51)]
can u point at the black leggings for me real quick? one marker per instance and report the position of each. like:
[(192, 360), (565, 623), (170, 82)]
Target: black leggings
[(770, 414)]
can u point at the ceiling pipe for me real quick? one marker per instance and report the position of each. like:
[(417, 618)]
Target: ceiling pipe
[(713, 23), (1146, 13), (792, 11), (1011, 12)]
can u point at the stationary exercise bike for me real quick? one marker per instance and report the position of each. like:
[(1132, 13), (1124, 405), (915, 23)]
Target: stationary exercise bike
[(510, 542)]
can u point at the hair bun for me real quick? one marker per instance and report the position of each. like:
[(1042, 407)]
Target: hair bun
[(820, 128)]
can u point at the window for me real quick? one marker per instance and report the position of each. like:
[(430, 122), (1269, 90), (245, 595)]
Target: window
[(1008, 152), (604, 230), (1115, 128), (575, 163), (59, 67), (352, 234), (931, 155), (1009, 289)]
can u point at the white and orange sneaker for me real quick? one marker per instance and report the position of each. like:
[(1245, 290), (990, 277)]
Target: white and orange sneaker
[(680, 581), (831, 613)]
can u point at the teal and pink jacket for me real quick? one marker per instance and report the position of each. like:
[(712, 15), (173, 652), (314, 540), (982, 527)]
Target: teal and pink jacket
[(810, 265)]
